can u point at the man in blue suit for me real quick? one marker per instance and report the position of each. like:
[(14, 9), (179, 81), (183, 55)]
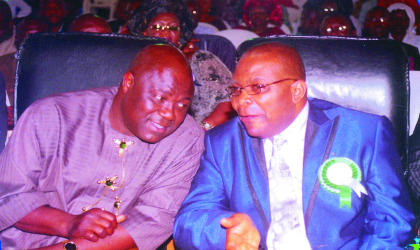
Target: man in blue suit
[(293, 173)]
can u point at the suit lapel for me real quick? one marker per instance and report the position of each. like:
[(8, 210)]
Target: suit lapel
[(258, 146), (257, 183), (319, 137)]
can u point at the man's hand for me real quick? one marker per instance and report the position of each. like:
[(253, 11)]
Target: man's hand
[(93, 224), (240, 232)]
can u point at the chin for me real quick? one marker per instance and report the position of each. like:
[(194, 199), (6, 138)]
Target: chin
[(256, 132)]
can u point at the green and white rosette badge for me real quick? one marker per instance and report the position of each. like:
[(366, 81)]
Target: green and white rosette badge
[(340, 175)]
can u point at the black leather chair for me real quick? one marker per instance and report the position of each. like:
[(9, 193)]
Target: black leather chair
[(370, 75), (59, 62), (364, 74)]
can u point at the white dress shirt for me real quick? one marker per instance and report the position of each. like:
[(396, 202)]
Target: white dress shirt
[(293, 156)]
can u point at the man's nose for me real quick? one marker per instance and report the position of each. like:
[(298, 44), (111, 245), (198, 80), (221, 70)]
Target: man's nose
[(168, 112), (244, 98)]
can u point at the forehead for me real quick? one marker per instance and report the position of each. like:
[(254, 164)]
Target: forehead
[(336, 20), (165, 17), (257, 65), (329, 5), (399, 13), (45, 3), (165, 79), (257, 9), (377, 13)]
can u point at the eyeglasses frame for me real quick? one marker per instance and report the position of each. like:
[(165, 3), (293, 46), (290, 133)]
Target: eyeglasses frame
[(164, 27), (262, 86)]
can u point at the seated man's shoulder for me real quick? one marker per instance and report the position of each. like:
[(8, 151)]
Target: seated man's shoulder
[(190, 128), (227, 130), (347, 114), (73, 100), (70, 108)]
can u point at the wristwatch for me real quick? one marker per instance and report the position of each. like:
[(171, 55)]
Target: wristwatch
[(206, 126), (69, 245)]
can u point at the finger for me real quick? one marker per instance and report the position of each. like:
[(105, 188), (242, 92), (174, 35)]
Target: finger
[(102, 213), (120, 218), (91, 236), (109, 217), (232, 221), (103, 227)]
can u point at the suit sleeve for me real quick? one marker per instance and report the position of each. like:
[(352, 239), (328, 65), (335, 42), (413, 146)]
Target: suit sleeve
[(389, 218), (197, 225)]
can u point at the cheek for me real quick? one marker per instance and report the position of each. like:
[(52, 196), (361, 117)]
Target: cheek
[(176, 36), (180, 115), (234, 105)]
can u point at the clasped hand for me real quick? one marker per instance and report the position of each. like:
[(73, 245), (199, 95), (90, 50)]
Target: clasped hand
[(93, 224)]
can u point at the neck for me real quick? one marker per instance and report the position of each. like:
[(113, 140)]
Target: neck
[(398, 36), (115, 115), (259, 29), (206, 18), (56, 27)]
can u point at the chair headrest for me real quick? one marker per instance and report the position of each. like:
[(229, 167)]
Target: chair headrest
[(61, 62)]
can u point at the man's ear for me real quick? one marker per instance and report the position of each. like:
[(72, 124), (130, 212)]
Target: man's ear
[(299, 89), (127, 82)]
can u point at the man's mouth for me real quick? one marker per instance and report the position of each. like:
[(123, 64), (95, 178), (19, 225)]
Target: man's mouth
[(248, 118), (158, 128)]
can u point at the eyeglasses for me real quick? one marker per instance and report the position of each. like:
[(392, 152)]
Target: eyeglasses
[(253, 89), (335, 29), (159, 27)]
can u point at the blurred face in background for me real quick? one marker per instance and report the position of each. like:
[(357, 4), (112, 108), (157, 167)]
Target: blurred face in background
[(195, 9), (311, 21), (54, 11), (377, 23), (329, 7), (6, 25), (399, 21), (336, 25), (165, 25), (91, 24), (258, 16), (29, 26)]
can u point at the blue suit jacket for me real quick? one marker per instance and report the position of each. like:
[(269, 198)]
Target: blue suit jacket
[(232, 178)]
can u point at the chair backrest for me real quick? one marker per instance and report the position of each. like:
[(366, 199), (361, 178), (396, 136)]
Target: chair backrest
[(369, 75), (219, 46), (237, 36), (88, 5), (59, 62)]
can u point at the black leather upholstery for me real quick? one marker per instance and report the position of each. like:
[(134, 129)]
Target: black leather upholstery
[(365, 74), (59, 62), (370, 75)]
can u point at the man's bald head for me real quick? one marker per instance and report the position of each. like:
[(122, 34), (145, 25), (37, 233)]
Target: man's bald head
[(154, 57), (281, 54), (91, 24)]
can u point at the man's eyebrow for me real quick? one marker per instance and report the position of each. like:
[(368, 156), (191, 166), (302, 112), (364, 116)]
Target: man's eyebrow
[(170, 94), (233, 82)]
